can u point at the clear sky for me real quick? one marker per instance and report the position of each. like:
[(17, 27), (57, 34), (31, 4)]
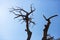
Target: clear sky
[(11, 29)]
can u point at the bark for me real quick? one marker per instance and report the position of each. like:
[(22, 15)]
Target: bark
[(29, 33), (45, 31)]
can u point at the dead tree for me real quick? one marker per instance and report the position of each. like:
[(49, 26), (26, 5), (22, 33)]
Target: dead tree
[(45, 31), (25, 18)]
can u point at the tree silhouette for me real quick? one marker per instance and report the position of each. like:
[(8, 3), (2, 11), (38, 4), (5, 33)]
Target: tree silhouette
[(25, 18), (47, 27)]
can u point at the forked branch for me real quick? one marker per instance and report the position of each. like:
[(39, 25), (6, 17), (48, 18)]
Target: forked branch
[(32, 10), (45, 31)]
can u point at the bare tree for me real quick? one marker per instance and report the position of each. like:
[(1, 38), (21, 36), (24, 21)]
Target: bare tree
[(45, 31), (25, 18)]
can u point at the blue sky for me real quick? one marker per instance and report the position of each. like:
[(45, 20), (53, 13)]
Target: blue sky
[(11, 29)]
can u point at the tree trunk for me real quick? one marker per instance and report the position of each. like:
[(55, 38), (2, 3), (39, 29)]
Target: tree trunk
[(29, 33), (45, 31)]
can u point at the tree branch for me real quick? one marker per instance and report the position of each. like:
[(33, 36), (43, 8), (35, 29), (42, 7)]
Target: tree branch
[(32, 10), (52, 16), (45, 18), (32, 22), (20, 16)]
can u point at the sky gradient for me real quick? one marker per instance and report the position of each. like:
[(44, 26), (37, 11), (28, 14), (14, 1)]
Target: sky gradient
[(12, 29)]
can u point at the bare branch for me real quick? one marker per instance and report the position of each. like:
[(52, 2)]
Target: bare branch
[(15, 13), (31, 7), (32, 22), (20, 12), (32, 10), (52, 16), (20, 16), (49, 17), (14, 9), (23, 10), (19, 9), (45, 18)]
